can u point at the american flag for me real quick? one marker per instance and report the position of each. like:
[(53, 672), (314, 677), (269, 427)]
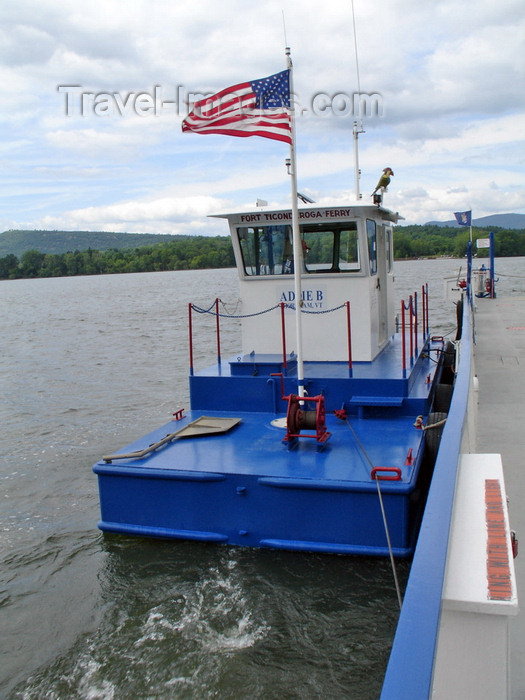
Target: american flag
[(258, 108)]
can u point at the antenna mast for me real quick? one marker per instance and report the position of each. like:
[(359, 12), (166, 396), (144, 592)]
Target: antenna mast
[(357, 172), (357, 129)]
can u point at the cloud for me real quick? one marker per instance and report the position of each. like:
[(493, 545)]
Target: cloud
[(449, 77), (164, 215), (23, 45)]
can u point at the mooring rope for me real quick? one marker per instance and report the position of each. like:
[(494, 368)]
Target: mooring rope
[(398, 591), (438, 424), (385, 522)]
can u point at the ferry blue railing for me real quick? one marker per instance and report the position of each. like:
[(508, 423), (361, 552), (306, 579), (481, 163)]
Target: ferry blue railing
[(411, 663)]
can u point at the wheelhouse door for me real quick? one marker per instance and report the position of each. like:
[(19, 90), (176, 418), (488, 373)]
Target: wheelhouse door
[(378, 256)]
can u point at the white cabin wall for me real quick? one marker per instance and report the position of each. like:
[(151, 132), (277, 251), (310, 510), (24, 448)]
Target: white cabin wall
[(325, 335)]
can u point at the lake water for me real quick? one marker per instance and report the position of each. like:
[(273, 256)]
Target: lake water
[(88, 365)]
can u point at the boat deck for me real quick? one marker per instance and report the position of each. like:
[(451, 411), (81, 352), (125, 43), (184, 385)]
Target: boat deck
[(243, 382), (255, 447), (248, 486)]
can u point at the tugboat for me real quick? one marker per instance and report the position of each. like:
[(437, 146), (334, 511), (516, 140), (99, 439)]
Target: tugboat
[(329, 442), (318, 443), (321, 432)]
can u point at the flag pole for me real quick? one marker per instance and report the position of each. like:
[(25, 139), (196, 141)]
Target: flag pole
[(297, 248)]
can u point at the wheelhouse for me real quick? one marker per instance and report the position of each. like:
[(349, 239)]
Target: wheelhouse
[(347, 256)]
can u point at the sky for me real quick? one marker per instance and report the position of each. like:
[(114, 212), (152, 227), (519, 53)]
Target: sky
[(94, 93)]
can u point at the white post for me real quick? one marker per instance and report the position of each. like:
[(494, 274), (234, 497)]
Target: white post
[(297, 247), (357, 172)]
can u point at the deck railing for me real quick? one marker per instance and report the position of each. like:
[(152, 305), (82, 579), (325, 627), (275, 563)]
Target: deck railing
[(411, 309), (411, 323), (214, 311)]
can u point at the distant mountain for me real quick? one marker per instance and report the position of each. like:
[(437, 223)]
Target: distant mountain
[(18, 242), (507, 221)]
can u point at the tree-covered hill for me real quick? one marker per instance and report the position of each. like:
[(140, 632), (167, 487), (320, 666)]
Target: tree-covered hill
[(185, 253), (199, 252), (431, 240), (17, 242)]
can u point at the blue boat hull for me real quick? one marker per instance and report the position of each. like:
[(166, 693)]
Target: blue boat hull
[(248, 487), (258, 510)]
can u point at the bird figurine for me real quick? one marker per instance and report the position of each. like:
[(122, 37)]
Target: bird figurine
[(384, 180)]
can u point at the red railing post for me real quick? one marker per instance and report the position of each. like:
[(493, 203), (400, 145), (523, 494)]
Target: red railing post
[(428, 321), (349, 334), (415, 325), (424, 312), (218, 332), (190, 331), (403, 338), (411, 326), (283, 334)]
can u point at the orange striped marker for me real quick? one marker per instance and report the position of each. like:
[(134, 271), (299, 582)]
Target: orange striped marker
[(498, 570)]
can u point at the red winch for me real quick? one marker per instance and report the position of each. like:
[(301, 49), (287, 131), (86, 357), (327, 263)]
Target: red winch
[(298, 419)]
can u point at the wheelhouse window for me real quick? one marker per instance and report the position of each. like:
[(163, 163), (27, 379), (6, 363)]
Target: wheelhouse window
[(389, 251), (331, 248), (372, 245), (268, 250)]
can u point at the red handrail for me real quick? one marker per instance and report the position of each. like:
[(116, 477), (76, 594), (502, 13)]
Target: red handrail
[(282, 307), (217, 330), (411, 338), (403, 339), (283, 334), (190, 332), (349, 334), (416, 324), (427, 324), (412, 308), (424, 313), (391, 473)]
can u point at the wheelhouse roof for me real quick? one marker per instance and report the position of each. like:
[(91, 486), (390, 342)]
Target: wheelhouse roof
[(310, 213)]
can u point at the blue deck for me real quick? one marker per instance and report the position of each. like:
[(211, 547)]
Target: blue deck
[(255, 448), (249, 382), (247, 487)]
